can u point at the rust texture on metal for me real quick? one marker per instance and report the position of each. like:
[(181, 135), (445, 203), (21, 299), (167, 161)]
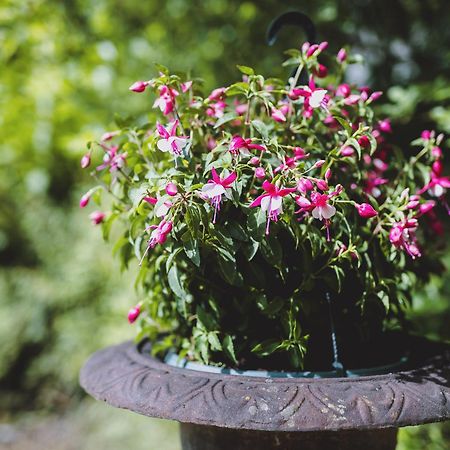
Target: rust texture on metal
[(125, 377)]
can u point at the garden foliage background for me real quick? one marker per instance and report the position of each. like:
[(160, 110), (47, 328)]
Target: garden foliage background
[(65, 71)]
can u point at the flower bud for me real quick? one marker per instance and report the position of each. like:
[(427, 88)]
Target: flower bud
[(138, 86), (342, 55), (436, 152), (411, 223), (302, 202), (171, 189), (305, 46), (304, 185), (166, 227), (365, 210), (323, 46), (85, 161), (321, 71), (395, 234), (322, 185), (426, 135), (319, 163), (375, 96), (97, 217), (343, 90), (151, 200), (134, 313), (363, 141), (311, 50), (84, 200), (385, 126), (254, 161), (412, 204), (347, 151), (328, 174), (426, 207), (437, 168), (260, 172)]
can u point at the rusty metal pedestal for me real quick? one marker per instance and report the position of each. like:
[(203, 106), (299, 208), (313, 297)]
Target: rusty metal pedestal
[(225, 411), (199, 437)]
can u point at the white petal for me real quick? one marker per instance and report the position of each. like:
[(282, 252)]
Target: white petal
[(213, 190), (265, 203), (164, 145), (275, 204), (436, 191), (328, 211), (317, 97), (317, 213)]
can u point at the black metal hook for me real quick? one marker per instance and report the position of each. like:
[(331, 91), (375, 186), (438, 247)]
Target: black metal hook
[(294, 18), (297, 19)]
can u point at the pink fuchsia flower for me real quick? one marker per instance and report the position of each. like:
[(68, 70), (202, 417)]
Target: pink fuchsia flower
[(170, 142), (139, 86), (365, 210), (342, 55), (271, 201), (372, 183), (112, 159), (171, 189), (217, 94), (402, 235), (186, 86), (158, 235), (321, 210), (85, 161), (97, 217), (374, 96), (216, 109), (437, 186), (240, 108), (278, 115), (216, 187), (291, 162), (109, 135), (239, 143), (314, 97), (134, 313), (166, 100)]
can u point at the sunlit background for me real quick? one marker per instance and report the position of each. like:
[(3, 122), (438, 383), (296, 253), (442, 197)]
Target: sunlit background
[(65, 68)]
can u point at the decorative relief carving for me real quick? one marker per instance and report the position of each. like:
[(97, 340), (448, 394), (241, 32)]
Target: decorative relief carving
[(125, 378)]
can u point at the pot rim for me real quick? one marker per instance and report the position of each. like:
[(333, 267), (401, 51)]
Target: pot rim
[(175, 360)]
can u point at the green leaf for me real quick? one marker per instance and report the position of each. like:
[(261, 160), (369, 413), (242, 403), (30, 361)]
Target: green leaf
[(214, 341), (227, 117), (246, 70), (355, 144), (256, 223), (192, 251), (162, 69), (249, 249), (228, 347), (266, 347), (237, 231), (261, 128), (344, 122), (174, 283), (237, 88)]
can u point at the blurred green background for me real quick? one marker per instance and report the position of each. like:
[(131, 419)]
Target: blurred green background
[(65, 70)]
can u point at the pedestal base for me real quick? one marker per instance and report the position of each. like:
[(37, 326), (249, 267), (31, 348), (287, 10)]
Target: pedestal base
[(200, 437)]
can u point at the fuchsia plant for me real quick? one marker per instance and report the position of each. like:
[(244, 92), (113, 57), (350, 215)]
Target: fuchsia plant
[(242, 208)]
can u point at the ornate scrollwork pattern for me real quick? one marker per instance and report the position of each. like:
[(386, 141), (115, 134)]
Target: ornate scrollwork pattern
[(125, 378)]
